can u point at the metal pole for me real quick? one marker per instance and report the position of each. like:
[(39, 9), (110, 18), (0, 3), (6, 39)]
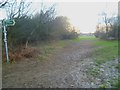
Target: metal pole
[(5, 40)]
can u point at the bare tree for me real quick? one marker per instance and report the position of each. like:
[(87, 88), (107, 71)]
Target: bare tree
[(16, 9), (106, 20), (109, 21)]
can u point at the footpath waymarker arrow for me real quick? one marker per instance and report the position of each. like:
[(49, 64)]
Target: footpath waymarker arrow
[(10, 22)]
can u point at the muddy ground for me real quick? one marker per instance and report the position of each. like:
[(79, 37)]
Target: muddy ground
[(67, 68)]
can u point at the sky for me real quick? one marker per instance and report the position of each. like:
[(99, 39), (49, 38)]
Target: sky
[(83, 15)]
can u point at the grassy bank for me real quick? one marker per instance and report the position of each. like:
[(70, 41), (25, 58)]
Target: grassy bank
[(108, 51)]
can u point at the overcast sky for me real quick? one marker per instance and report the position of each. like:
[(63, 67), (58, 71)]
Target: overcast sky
[(83, 15)]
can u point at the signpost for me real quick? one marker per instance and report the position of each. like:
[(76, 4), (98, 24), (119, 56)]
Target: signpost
[(9, 22)]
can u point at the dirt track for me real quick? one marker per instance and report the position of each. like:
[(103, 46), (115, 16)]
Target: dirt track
[(66, 69)]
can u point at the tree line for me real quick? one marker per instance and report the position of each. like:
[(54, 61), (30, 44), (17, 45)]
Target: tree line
[(43, 26), (110, 29)]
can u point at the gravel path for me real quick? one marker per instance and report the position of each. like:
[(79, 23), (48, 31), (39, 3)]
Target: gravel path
[(105, 75), (68, 68)]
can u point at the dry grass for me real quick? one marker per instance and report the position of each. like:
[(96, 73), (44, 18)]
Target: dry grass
[(20, 53)]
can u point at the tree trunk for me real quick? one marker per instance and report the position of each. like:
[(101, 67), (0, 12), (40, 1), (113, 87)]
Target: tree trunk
[(26, 45)]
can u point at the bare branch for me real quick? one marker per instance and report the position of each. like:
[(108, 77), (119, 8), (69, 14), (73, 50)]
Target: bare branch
[(16, 9), (3, 3)]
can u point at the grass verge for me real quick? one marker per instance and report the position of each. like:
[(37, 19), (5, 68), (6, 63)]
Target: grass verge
[(108, 51)]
